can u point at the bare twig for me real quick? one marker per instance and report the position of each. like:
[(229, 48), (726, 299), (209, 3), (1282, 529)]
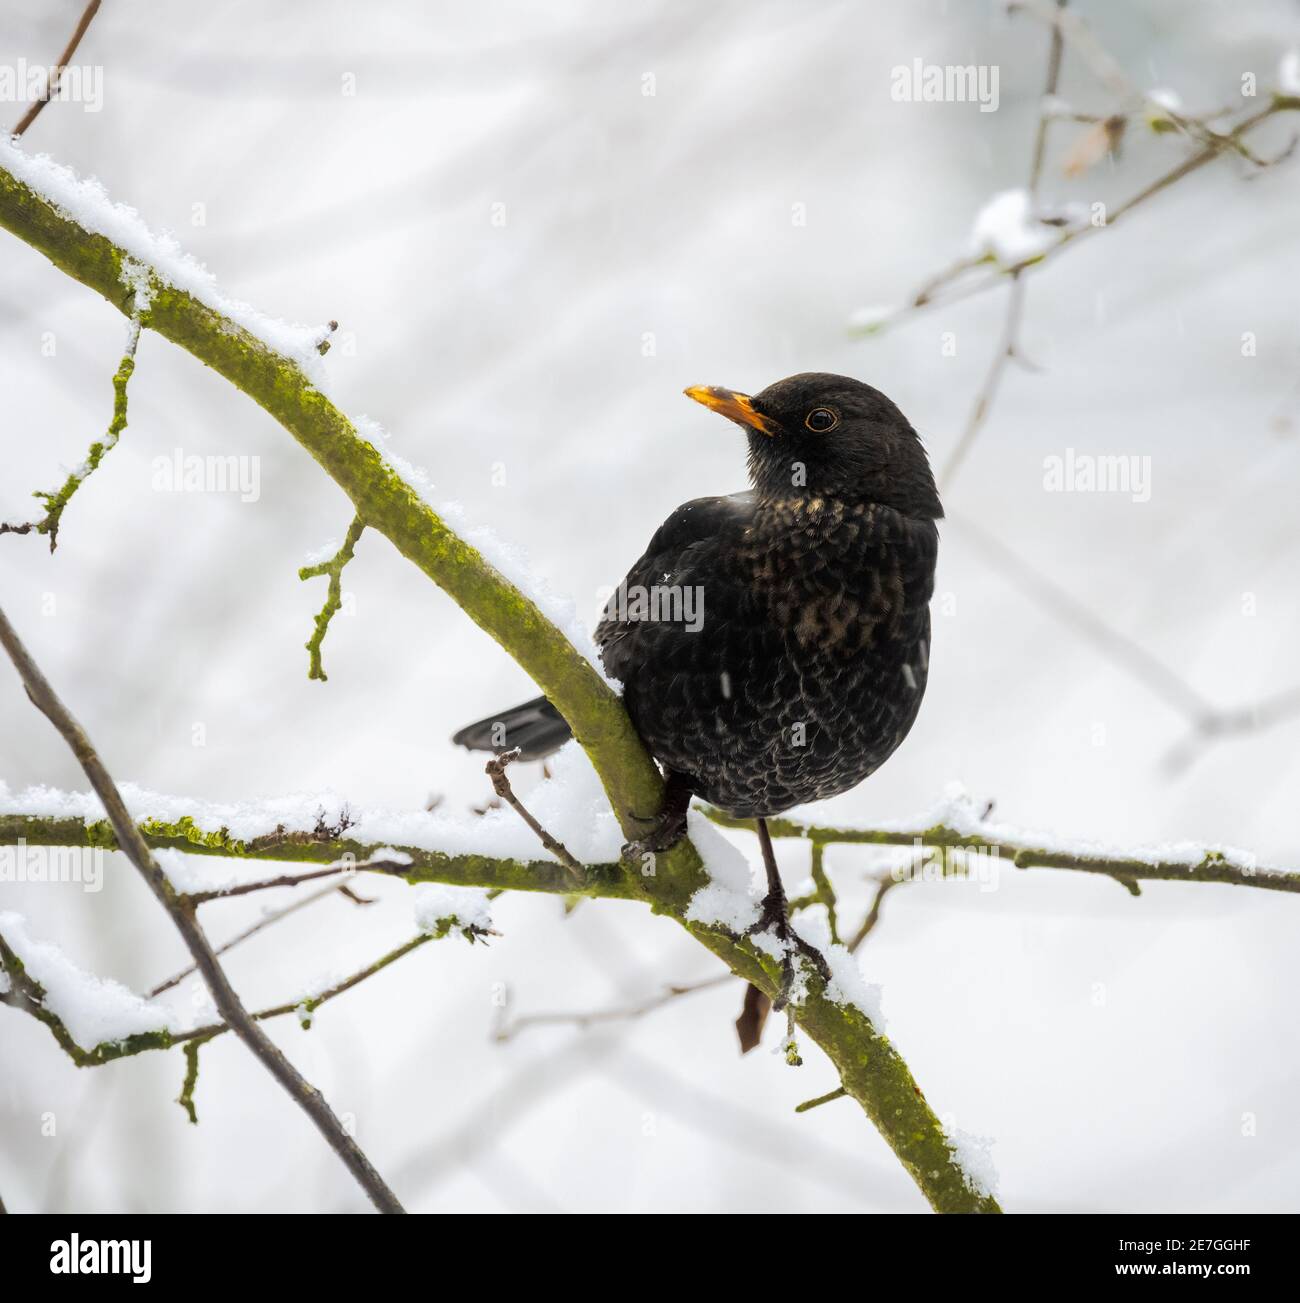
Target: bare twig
[(507, 1029), (1208, 721), (496, 771), (65, 58), (883, 886), (808, 1104), (268, 920), (285, 880), (1009, 344), (228, 1003), (959, 286)]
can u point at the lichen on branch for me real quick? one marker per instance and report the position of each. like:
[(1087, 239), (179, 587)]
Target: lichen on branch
[(56, 500), (870, 1068), (333, 567)]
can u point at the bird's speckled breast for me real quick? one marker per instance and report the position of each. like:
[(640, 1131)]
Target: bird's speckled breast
[(811, 663)]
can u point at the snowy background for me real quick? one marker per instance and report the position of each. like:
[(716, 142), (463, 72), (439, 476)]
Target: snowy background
[(1134, 1054)]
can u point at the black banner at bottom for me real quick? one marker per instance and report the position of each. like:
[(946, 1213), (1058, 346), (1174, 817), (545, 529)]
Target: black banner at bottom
[(91, 1252)]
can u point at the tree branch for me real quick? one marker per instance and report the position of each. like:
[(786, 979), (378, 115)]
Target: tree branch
[(65, 58), (185, 834), (496, 771), (308, 1098), (870, 1068), (1206, 864), (954, 286)]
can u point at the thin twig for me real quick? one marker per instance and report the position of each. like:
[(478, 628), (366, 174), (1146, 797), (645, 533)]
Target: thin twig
[(268, 920), (884, 885), (1009, 343), (228, 1003), (281, 880), (496, 771), (56, 500), (808, 1104), (64, 59), (333, 595), (508, 1030), (960, 287), (1207, 721)]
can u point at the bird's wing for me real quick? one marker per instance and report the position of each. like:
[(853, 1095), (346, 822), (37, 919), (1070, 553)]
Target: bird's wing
[(678, 548)]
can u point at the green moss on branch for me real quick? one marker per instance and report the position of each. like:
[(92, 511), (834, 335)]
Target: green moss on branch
[(870, 1068)]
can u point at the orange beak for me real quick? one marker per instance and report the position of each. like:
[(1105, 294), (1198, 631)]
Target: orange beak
[(735, 407)]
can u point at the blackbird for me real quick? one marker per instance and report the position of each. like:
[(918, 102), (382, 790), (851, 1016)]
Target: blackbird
[(773, 645)]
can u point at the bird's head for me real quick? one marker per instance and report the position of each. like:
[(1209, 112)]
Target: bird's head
[(819, 435)]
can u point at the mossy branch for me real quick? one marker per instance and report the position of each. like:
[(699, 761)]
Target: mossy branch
[(333, 595), (492, 872), (870, 1068), (55, 501), (1204, 865), (26, 995)]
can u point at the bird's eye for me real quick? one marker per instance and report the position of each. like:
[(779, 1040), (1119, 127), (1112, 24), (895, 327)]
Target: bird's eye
[(821, 419)]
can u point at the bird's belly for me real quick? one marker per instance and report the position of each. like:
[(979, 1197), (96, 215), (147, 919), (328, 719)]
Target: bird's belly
[(760, 728)]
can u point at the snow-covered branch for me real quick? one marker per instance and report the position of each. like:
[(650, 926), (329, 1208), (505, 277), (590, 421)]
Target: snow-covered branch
[(958, 824), (704, 887), (224, 995)]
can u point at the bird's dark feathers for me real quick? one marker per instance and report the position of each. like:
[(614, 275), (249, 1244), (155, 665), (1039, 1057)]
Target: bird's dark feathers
[(807, 657)]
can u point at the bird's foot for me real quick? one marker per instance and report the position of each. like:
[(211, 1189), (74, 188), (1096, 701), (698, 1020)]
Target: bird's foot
[(774, 919), (662, 837), (669, 826)]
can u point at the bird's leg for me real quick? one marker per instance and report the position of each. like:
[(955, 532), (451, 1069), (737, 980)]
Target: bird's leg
[(775, 917), (670, 823)]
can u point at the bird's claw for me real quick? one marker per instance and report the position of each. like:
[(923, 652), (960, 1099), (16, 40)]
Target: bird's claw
[(668, 830), (775, 918)]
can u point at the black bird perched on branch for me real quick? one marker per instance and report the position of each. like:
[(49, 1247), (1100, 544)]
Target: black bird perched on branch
[(773, 645)]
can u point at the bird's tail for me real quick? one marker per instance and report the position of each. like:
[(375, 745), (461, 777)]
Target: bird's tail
[(536, 728)]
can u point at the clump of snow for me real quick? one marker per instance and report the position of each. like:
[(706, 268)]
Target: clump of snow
[(1288, 73), (326, 552), (391, 855), (571, 805), (847, 985), (95, 1010), (974, 1155), (440, 908), (87, 203), (381, 440), (729, 899), (1007, 228), (135, 276)]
